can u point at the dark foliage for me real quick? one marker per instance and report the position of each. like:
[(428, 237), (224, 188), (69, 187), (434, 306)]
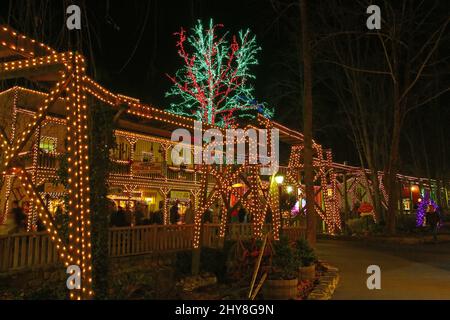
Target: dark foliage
[(101, 141), (305, 253)]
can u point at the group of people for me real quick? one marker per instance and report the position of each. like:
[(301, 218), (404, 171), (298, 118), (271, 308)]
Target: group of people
[(175, 216), (240, 215), (125, 217)]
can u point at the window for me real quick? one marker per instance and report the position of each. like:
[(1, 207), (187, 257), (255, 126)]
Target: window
[(47, 144), (122, 151)]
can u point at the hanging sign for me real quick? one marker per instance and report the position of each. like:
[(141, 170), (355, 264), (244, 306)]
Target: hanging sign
[(365, 208), (180, 195), (142, 168)]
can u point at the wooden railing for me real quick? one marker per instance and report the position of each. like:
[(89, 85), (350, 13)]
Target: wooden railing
[(145, 239), (48, 160), (25, 250), (293, 233)]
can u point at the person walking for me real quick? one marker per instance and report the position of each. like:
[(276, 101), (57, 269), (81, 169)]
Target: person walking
[(189, 215), (20, 217), (207, 216), (242, 214), (121, 220), (235, 216), (174, 215), (433, 221), (138, 214), (128, 216), (157, 216)]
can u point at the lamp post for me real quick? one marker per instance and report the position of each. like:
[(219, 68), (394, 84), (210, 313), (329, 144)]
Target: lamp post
[(289, 189), (279, 179)]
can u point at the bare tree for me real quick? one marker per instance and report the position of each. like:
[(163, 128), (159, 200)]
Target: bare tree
[(307, 126), (402, 54)]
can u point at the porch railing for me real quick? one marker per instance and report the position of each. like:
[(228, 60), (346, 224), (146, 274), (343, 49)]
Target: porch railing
[(23, 250), (26, 250), (146, 239)]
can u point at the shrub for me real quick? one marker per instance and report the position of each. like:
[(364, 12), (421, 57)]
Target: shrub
[(377, 228), (362, 225), (214, 261), (211, 260), (285, 260), (305, 253), (48, 291), (132, 285), (183, 263), (407, 223)]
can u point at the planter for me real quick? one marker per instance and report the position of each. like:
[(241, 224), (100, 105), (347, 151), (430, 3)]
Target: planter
[(307, 273), (280, 289)]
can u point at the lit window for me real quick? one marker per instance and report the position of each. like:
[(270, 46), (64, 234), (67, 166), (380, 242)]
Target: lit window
[(47, 144)]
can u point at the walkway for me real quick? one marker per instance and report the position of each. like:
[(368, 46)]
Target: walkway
[(407, 271)]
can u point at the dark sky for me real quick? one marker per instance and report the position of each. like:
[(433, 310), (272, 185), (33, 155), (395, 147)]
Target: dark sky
[(146, 28), (156, 55)]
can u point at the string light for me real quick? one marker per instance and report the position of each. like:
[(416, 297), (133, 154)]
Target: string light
[(258, 199), (44, 215), (22, 44), (213, 86), (3, 215)]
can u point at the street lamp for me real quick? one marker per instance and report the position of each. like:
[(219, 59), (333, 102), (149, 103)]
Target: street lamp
[(289, 189), (279, 179)]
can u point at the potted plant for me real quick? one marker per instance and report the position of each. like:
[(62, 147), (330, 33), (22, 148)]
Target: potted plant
[(307, 259), (282, 279)]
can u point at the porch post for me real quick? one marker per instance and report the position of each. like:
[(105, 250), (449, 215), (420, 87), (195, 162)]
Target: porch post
[(402, 211)]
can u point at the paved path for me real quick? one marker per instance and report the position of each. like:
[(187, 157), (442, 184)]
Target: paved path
[(407, 271)]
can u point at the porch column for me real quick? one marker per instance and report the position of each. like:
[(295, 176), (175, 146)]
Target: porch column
[(411, 197), (32, 215), (402, 211), (165, 193), (345, 194)]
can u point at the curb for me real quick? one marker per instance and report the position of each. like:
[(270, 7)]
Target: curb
[(390, 240), (327, 283)]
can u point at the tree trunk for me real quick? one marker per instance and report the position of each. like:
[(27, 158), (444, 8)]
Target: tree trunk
[(376, 197), (393, 169), (307, 127)]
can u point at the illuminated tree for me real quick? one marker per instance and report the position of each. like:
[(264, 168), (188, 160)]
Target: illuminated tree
[(422, 209), (213, 86)]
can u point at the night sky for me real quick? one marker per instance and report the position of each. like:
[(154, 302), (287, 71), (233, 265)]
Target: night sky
[(132, 46)]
